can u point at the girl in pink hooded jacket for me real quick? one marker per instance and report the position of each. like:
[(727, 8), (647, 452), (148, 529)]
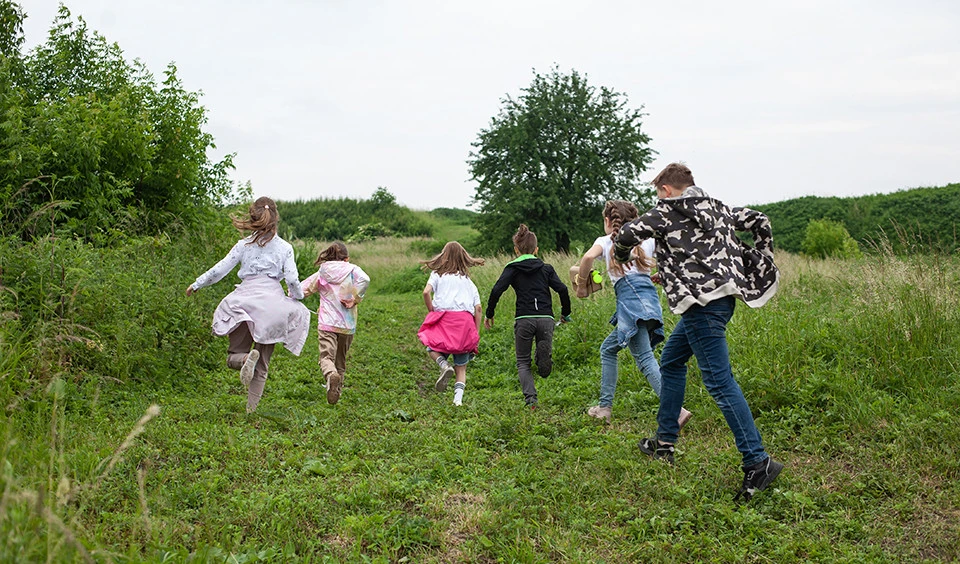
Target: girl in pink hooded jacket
[(341, 287)]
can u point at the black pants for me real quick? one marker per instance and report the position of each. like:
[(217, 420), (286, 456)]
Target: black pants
[(526, 331)]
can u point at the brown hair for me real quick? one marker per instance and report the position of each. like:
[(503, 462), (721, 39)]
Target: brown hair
[(525, 240), (619, 212), (262, 219), (453, 259), (336, 251), (677, 175)]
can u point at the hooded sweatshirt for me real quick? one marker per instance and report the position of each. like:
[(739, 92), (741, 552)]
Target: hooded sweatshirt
[(699, 256), (334, 281), (531, 279)]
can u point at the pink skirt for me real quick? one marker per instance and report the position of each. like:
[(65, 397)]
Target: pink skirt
[(451, 332), (271, 316)]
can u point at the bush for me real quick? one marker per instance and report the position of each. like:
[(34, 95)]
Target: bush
[(827, 238)]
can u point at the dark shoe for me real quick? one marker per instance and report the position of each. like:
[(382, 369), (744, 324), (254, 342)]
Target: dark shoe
[(758, 477), (334, 386), (657, 451)]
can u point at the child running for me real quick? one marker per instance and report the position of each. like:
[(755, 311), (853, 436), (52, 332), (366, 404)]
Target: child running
[(531, 279), (638, 319), (452, 325), (257, 314), (341, 286), (704, 268)]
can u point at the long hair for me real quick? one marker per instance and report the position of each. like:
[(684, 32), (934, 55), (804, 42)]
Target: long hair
[(453, 259), (525, 240), (262, 219), (619, 212), (336, 251)]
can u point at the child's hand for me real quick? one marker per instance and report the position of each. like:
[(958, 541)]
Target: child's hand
[(582, 291), (348, 302), (655, 278), (487, 323), (565, 319), (190, 290)]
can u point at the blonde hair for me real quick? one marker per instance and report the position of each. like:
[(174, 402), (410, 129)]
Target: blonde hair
[(336, 251), (262, 219), (453, 259), (618, 213)]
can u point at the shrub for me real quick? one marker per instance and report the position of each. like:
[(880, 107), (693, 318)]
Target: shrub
[(827, 238)]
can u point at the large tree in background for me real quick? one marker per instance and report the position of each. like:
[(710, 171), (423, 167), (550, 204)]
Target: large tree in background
[(552, 157)]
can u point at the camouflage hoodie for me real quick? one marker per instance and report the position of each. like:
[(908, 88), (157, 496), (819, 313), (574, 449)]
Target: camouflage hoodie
[(699, 256)]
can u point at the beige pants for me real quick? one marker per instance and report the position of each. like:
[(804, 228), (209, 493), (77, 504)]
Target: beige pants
[(333, 352), (241, 341)]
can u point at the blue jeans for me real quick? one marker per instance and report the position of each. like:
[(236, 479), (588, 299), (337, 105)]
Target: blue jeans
[(639, 345), (702, 332)]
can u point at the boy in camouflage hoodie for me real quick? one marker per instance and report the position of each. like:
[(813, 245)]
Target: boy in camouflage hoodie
[(704, 268)]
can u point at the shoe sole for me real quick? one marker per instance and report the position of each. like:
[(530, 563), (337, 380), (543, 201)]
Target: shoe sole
[(445, 375), (684, 419), (249, 365), (333, 389)]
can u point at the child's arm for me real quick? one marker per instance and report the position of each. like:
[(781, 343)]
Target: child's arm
[(427, 291), (219, 270), (586, 265), (360, 281), (506, 277), (746, 219), (561, 289), (478, 315), (633, 233), (291, 275), (309, 286)]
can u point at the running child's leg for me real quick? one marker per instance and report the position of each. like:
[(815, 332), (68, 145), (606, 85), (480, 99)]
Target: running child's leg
[(524, 331), (673, 382), (343, 346), (255, 391), (608, 369), (642, 353), (461, 377), (328, 342), (544, 354), (241, 341)]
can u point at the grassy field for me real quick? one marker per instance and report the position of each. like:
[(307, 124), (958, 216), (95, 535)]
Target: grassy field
[(851, 371)]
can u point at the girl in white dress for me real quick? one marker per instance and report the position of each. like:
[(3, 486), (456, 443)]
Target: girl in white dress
[(257, 314)]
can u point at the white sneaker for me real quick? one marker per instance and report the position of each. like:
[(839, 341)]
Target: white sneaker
[(246, 371), (446, 371)]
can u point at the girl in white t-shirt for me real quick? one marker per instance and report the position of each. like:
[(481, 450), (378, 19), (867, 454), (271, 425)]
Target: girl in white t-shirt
[(257, 315), (454, 313), (638, 320)]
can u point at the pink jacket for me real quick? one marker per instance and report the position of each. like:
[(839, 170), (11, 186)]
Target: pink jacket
[(337, 281)]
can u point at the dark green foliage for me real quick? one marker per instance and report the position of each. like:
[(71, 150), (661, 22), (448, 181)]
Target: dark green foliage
[(456, 215), (553, 157), (91, 143), (351, 220), (921, 218), (826, 238)]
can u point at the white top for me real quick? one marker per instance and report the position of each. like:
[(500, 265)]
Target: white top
[(453, 292), (605, 243), (275, 259)]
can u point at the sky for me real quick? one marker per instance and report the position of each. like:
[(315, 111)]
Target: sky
[(764, 101)]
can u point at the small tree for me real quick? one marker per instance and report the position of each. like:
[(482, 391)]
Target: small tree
[(828, 238), (552, 157)]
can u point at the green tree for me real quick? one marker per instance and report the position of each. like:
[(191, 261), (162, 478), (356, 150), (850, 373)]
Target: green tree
[(91, 145), (552, 157), (827, 238)]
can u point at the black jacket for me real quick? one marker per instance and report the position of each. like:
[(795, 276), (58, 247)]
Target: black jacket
[(531, 279)]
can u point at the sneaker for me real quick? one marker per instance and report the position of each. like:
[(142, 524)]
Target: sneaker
[(657, 451), (758, 477), (601, 412), (446, 371), (684, 417), (246, 371), (334, 386), (458, 400)]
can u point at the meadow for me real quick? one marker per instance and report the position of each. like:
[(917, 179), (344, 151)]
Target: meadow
[(126, 440)]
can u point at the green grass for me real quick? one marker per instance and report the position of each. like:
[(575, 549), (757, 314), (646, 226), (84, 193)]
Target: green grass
[(851, 372)]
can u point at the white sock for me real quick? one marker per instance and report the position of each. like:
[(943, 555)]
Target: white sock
[(458, 393)]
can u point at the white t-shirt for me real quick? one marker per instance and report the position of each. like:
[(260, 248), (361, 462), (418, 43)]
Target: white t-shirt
[(453, 292), (648, 246)]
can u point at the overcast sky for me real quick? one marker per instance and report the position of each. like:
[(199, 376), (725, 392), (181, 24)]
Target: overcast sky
[(764, 101)]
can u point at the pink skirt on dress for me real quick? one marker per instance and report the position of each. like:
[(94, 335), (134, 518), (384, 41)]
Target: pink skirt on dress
[(271, 315), (450, 332)]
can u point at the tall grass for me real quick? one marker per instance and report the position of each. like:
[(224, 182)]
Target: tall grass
[(851, 371)]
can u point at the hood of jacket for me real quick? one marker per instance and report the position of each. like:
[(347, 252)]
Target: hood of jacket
[(526, 263), (335, 271), (696, 205)]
